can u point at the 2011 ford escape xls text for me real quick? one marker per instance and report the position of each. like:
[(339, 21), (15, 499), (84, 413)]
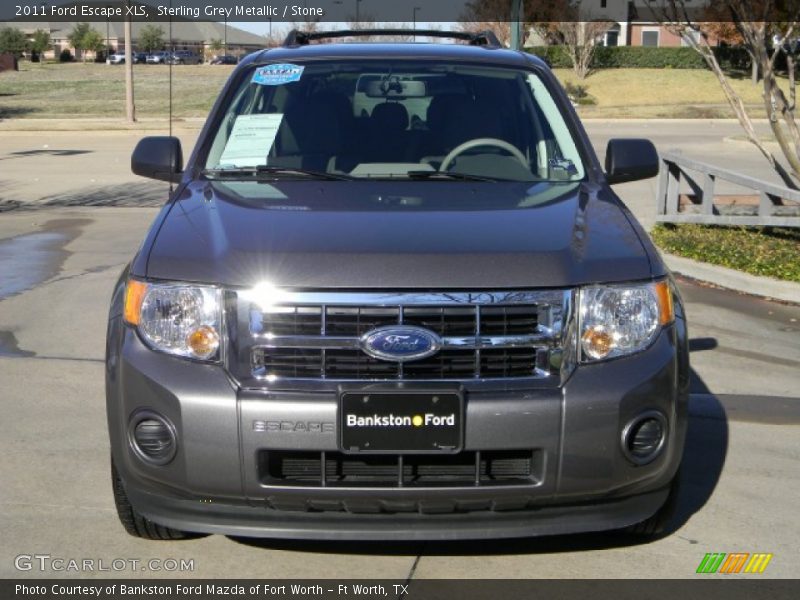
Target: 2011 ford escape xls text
[(394, 297)]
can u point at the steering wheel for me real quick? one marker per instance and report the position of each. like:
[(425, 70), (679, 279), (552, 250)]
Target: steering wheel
[(469, 144)]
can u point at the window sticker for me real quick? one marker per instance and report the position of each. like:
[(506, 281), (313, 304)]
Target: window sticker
[(251, 140), (277, 74)]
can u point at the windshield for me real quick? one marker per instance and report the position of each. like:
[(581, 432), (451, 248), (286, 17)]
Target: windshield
[(393, 119)]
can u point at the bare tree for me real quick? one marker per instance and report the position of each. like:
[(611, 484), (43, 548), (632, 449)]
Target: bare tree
[(502, 29), (495, 16), (275, 39), (563, 22), (758, 23), (579, 40), (363, 22), (307, 25)]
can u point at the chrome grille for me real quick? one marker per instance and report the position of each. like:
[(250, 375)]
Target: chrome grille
[(484, 335), (358, 320)]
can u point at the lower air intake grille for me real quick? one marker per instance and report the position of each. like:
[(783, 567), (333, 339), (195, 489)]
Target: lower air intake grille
[(497, 467)]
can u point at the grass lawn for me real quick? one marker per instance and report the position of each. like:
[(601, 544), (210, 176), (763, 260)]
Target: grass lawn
[(772, 252), (661, 93), (98, 90)]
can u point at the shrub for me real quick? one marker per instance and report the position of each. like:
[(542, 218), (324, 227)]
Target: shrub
[(552, 55), (579, 94), (645, 57), (13, 41), (771, 252), (65, 56)]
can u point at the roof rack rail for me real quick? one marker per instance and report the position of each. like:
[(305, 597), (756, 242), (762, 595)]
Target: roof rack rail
[(484, 38)]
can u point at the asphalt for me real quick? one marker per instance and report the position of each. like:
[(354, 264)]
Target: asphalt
[(78, 216)]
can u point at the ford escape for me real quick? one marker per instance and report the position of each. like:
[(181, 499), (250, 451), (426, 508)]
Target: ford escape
[(393, 296)]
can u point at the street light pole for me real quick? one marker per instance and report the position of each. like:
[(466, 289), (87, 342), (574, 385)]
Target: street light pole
[(516, 24), (130, 109)]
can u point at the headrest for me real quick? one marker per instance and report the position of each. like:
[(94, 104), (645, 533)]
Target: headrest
[(390, 116)]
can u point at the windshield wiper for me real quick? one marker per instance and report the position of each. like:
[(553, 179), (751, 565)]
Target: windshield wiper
[(448, 175), (275, 172)]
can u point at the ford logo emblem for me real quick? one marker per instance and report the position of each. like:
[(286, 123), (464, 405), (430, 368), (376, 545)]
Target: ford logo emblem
[(400, 344)]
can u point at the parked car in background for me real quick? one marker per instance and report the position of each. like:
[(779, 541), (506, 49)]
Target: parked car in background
[(157, 58), (225, 59), (139, 58), (185, 57), (117, 58)]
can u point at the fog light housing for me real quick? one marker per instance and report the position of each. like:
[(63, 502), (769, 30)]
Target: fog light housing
[(643, 437), (152, 437)]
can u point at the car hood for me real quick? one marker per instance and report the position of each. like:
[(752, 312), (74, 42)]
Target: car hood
[(399, 235)]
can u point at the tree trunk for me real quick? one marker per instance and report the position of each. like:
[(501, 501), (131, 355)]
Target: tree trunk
[(740, 110), (775, 104)]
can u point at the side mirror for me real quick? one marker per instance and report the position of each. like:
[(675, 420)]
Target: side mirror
[(158, 157), (630, 160)]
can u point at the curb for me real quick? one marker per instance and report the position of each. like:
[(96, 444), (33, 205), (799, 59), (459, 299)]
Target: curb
[(754, 285), (98, 124)]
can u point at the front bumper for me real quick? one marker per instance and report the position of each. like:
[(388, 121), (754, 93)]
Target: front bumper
[(255, 521), (214, 485)]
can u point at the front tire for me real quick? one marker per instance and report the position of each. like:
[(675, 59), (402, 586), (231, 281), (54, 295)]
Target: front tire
[(137, 524), (656, 525)]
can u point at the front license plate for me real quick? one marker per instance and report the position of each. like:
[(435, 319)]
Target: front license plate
[(401, 422)]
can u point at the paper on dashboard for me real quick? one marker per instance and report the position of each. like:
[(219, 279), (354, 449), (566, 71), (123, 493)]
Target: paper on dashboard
[(251, 140)]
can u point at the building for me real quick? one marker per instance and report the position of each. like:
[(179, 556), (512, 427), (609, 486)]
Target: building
[(197, 36), (634, 23)]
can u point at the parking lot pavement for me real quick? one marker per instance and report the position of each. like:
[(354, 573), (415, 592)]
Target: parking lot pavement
[(57, 267), (68, 168)]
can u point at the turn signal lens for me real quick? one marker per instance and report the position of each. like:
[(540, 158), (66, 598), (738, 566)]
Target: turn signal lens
[(203, 341), (134, 296), (666, 309)]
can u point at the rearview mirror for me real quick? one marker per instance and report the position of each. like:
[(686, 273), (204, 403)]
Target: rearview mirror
[(396, 88), (630, 160), (158, 157)]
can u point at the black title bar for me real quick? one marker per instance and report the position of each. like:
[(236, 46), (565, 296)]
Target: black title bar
[(732, 588), (374, 12)]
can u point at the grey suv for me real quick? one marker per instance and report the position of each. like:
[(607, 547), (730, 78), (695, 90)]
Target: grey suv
[(394, 297)]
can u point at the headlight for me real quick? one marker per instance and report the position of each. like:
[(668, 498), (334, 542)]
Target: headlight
[(620, 320), (184, 320)]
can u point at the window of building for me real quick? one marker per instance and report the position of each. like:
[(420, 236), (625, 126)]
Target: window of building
[(650, 38)]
